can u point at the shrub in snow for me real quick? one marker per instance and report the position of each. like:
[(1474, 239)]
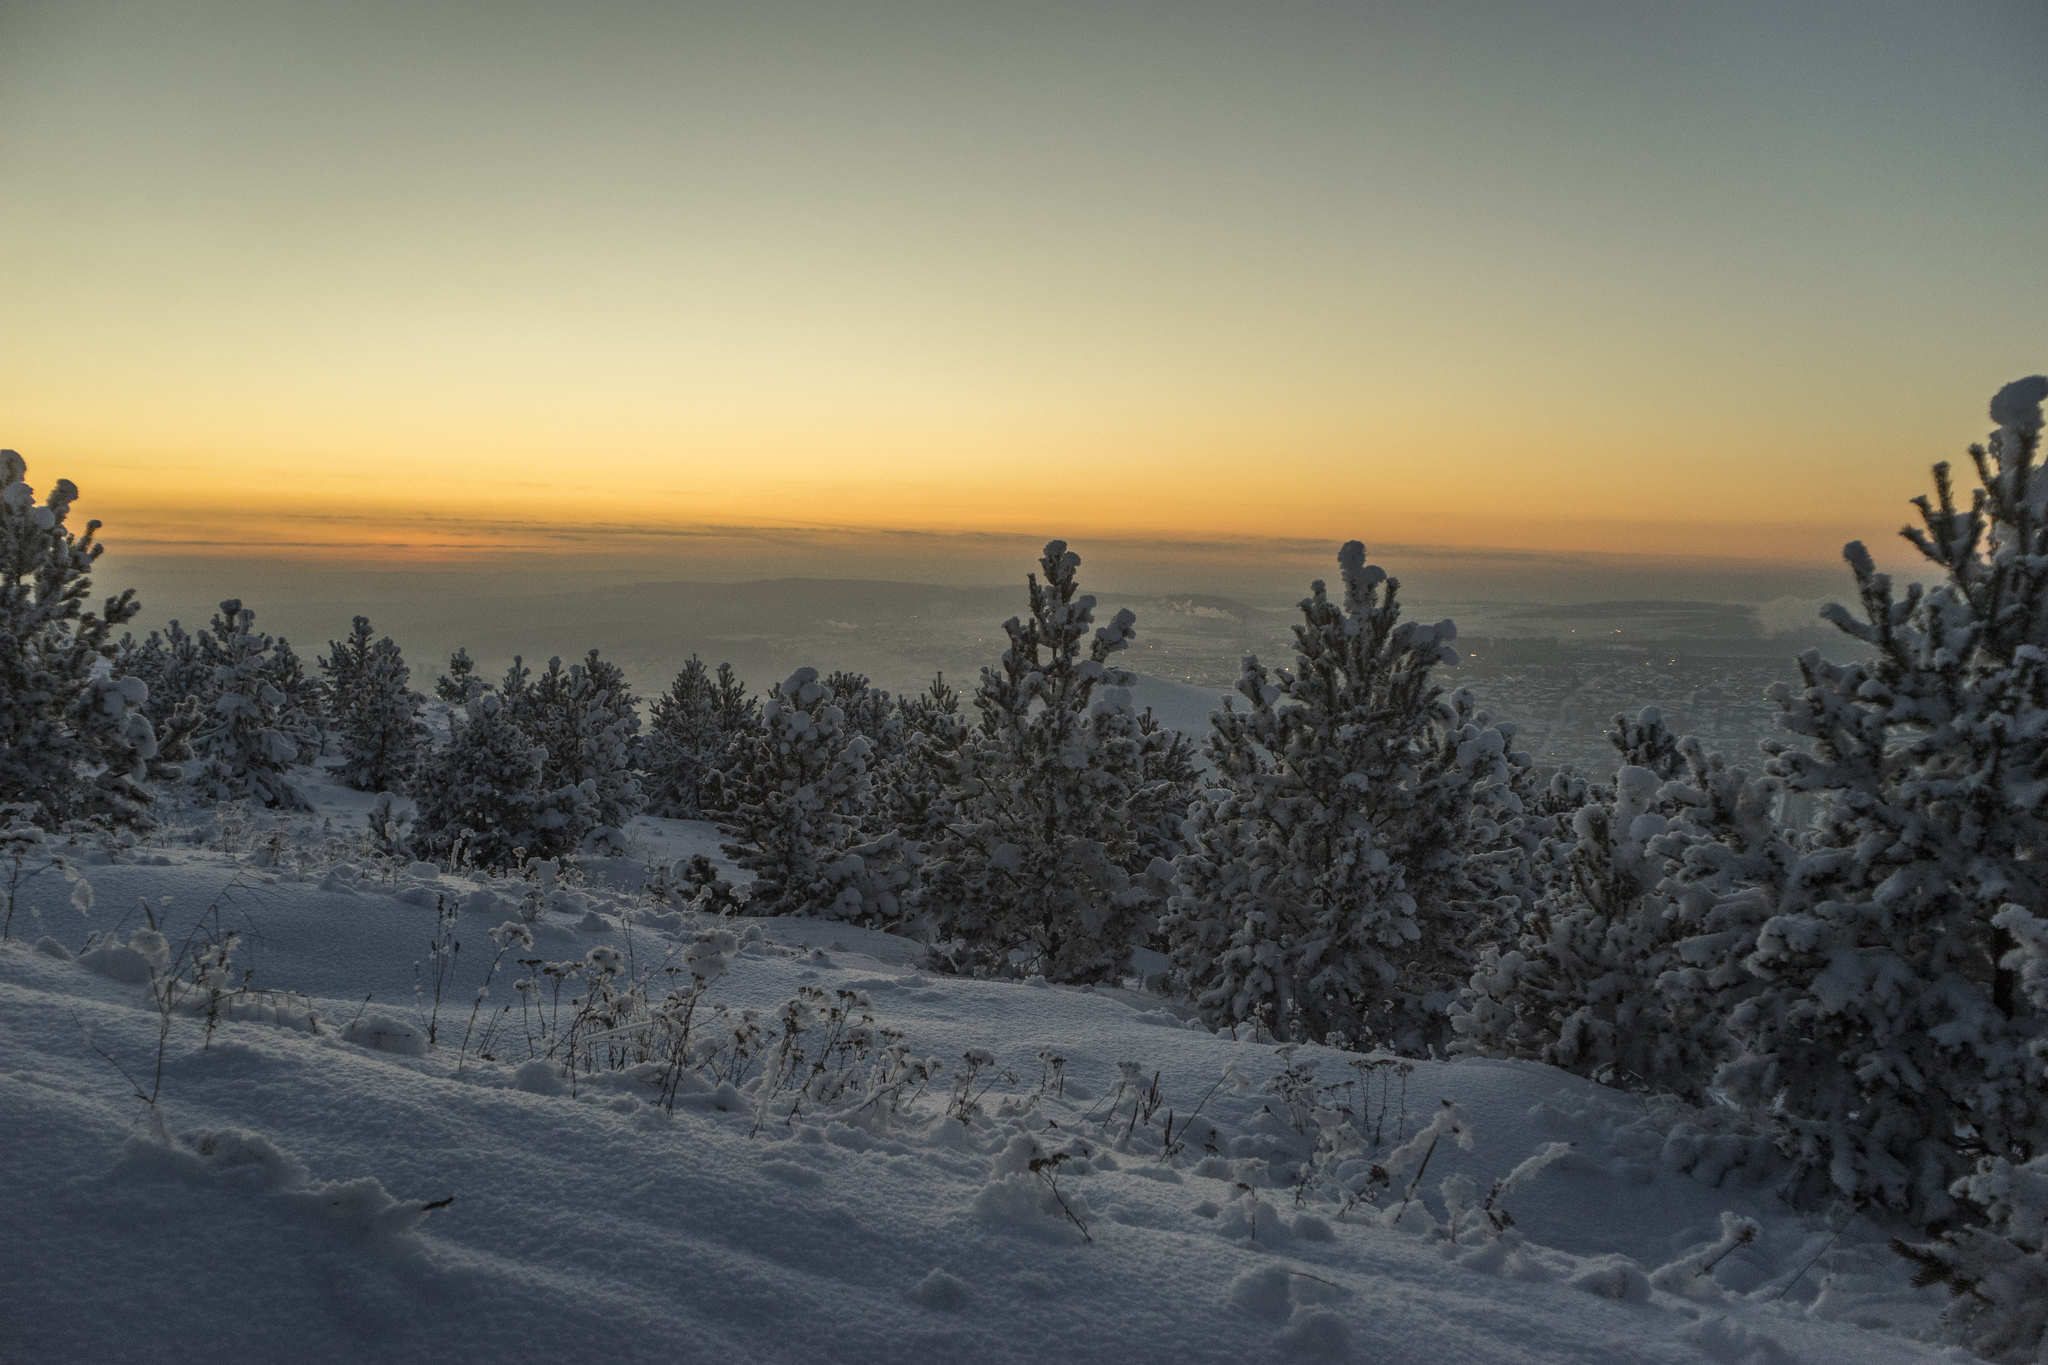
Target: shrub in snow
[(694, 736), (797, 822), (243, 748), (587, 721), (391, 819), (375, 710), (25, 857), (1039, 867), (482, 795), (1362, 844), (75, 742), (1888, 1030)]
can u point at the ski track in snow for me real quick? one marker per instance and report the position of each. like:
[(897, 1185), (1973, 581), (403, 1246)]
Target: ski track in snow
[(599, 1227)]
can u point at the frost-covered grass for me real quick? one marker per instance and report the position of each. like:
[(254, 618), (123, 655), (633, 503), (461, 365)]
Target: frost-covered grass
[(1083, 1177)]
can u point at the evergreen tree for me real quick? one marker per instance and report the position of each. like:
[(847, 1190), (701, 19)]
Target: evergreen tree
[(242, 746), (870, 711), (693, 736), (587, 721), (1045, 800), (304, 715), (376, 711), (75, 742), (172, 664), (797, 823), (910, 795), (1363, 845), (1172, 770), (1645, 864), (1888, 1033), (1998, 1270), (459, 683), (483, 794)]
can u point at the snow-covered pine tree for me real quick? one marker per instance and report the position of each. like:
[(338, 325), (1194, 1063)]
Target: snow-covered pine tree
[(1032, 873), (1640, 866), (243, 749), (376, 711), (459, 683), (482, 796), (173, 665), (797, 824), (588, 721), (870, 711), (1172, 768), (693, 734), (1998, 1270), (344, 664), (1362, 846), (304, 714), (75, 742), (739, 715), (910, 788), (1889, 1033)]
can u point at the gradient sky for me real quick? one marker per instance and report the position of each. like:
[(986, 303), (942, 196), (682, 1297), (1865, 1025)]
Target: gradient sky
[(403, 282)]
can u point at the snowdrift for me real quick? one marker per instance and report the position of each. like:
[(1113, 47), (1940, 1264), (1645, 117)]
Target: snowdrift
[(320, 1181)]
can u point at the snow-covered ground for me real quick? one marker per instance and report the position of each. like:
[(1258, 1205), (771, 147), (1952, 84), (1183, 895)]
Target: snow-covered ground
[(293, 1201)]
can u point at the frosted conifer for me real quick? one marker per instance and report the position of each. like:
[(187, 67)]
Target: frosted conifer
[(75, 742), (693, 736), (376, 711), (1889, 1032), (1998, 1271), (910, 789), (869, 711), (304, 715), (243, 749), (1034, 870), (173, 665), (1361, 846), (460, 682), (1173, 771), (483, 794), (797, 822), (1664, 855), (588, 721)]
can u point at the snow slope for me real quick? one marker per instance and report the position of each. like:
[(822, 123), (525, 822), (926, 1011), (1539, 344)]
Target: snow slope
[(281, 1208)]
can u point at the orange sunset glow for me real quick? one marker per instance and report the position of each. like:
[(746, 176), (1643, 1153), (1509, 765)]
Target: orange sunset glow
[(416, 286)]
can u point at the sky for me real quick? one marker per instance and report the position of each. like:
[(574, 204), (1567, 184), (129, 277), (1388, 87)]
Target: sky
[(905, 289)]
